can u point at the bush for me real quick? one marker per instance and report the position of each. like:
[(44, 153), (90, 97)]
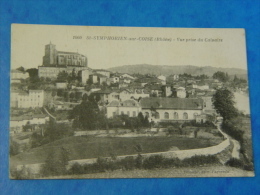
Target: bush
[(234, 162), (249, 167), (172, 162), (198, 160), (229, 127), (13, 148), (101, 164), (55, 163), (152, 162), (127, 163), (76, 169), (139, 161), (167, 124)]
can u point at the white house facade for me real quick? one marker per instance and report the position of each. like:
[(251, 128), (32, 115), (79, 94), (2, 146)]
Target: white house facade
[(33, 99), (127, 107)]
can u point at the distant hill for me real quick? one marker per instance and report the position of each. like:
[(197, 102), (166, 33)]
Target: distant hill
[(168, 70)]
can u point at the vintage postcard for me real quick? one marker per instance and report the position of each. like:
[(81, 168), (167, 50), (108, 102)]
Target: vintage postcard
[(128, 102)]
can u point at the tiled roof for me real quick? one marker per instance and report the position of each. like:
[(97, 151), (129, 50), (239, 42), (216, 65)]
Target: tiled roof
[(154, 87), (27, 117), (99, 75), (103, 70), (130, 103), (126, 103), (106, 91), (172, 103), (67, 52), (148, 80), (113, 103), (16, 118)]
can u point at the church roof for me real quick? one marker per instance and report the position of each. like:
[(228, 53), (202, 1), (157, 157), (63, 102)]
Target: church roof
[(72, 53), (172, 103)]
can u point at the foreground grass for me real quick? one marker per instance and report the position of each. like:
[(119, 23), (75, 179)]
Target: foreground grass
[(93, 147), (205, 171)]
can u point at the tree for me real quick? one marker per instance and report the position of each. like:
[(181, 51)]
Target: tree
[(53, 93), (202, 77), (72, 95), (146, 122), (141, 118), (233, 128), (21, 69), (73, 74), (85, 97), (56, 162), (235, 79), (62, 76), (60, 92), (13, 148), (221, 76), (87, 115), (223, 100), (33, 72)]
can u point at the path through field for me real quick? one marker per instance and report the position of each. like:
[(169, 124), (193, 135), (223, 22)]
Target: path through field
[(236, 148)]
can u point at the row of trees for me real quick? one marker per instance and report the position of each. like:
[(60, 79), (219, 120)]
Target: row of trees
[(66, 77), (221, 76), (232, 124)]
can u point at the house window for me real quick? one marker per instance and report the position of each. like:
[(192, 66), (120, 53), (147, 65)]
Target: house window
[(147, 114), (166, 115), (122, 112), (175, 115), (128, 113), (157, 115), (114, 114), (185, 115), (134, 114)]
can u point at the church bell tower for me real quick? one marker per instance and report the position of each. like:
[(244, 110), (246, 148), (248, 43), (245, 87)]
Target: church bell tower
[(50, 55)]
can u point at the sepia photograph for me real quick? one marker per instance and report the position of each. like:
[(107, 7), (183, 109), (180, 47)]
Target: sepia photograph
[(128, 102)]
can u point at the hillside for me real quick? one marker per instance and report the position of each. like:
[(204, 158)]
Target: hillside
[(168, 70)]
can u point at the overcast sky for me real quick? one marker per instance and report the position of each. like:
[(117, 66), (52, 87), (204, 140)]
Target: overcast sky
[(28, 42)]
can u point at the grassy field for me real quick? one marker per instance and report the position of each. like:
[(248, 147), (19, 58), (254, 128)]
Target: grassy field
[(93, 147)]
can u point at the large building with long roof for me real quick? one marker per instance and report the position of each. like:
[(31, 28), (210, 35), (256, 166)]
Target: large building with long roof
[(172, 109), (159, 109)]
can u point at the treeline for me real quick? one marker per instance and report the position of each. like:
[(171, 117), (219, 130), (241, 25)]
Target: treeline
[(54, 167)]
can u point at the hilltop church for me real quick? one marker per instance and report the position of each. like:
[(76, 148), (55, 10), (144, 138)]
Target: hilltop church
[(55, 61)]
